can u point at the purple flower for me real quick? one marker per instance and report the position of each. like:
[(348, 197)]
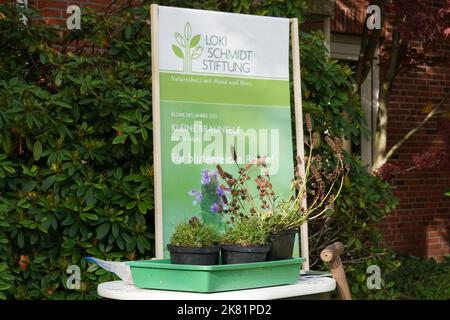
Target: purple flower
[(214, 208), (206, 178), (219, 191), (197, 195)]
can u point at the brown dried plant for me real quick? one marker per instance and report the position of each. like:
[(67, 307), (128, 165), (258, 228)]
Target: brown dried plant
[(315, 181)]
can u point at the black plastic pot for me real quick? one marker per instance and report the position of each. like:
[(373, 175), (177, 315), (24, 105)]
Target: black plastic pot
[(204, 256), (237, 254), (281, 245)]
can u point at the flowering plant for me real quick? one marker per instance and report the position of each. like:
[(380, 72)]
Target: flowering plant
[(284, 214), (210, 197)]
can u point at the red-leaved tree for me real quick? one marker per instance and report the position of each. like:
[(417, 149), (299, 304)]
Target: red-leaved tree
[(405, 23)]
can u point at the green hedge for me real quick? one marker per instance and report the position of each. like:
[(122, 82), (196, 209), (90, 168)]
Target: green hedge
[(76, 148), (420, 278), (76, 151)]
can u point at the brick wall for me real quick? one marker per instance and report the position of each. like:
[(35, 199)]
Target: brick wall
[(421, 224), (349, 16), (54, 11)]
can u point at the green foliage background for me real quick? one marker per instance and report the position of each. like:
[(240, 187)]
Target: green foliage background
[(420, 278), (76, 157), (76, 150)]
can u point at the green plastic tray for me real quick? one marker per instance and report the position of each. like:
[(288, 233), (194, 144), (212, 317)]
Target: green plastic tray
[(161, 274)]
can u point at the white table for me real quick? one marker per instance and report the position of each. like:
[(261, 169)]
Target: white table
[(306, 285)]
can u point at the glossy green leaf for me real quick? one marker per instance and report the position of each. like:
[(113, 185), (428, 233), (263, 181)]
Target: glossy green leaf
[(48, 182), (120, 139), (103, 230), (127, 32), (37, 150)]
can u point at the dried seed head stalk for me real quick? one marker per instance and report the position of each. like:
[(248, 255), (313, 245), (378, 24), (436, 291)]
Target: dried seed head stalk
[(315, 172), (312, 171), (318, 161), (248, 165), (308, 122), (336, 146), (298, 172), (330, 142), (298, 168), (261, 161), (318, 182), (224, 199), (315, 140), (322, 180), (330, 204), (223, 174), (233, 153), (265, 191)]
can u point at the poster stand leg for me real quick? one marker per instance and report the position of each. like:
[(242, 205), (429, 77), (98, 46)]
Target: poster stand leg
[(299, 128), (159, 250)]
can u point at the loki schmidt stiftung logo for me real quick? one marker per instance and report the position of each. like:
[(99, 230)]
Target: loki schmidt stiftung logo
[(188, 47)]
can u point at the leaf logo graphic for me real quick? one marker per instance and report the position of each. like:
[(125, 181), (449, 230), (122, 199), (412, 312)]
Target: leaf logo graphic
[(187, 47)]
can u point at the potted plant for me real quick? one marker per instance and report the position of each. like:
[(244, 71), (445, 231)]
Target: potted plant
[(281, 217), (281, 241), (306, 204), (246, 241), (279, 231), (194, 243)]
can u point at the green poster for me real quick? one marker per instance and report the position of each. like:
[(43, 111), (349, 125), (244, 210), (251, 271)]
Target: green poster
[(224, 84)]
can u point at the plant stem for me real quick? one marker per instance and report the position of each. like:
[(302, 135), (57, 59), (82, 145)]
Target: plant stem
[(302, 191)]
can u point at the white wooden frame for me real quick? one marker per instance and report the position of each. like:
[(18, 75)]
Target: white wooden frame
[(299, 128), (159, 250), (157, 128)]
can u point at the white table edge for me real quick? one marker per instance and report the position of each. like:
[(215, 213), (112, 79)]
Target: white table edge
[(305, 286)]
